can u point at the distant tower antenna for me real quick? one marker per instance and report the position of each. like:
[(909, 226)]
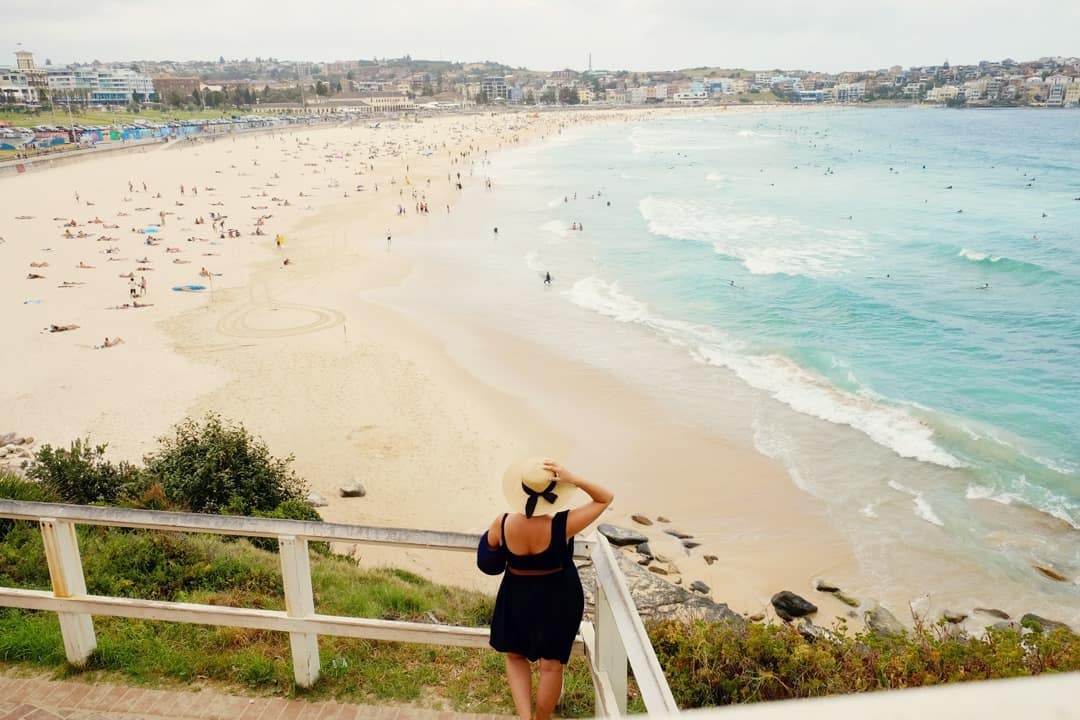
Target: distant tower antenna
[(590, 62)]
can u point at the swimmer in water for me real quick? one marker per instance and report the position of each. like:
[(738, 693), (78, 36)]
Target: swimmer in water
[(547, 278)]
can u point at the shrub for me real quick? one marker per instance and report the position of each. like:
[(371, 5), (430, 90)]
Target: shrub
[(718, 663), (290, 510), (82, 475), (219, 467), (14, 487)]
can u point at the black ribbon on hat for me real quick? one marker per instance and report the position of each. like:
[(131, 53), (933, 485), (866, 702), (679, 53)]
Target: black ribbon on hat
[(534, 497)]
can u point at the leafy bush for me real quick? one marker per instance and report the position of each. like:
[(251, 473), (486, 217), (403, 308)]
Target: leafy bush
[(219, 467), (82, 475), (718, 663), (290, 510), (15, 487)]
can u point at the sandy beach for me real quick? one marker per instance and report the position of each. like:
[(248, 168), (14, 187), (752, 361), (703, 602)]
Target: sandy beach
[(352, 389)]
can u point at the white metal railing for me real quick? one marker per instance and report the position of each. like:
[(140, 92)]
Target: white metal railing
[(616, 635)]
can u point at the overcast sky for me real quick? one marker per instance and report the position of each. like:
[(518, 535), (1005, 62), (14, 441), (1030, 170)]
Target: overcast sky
[(827, 35)]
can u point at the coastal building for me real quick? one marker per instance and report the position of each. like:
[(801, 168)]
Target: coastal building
[(35, 76), (99, 85), (494, 88), (1072, 93), (15, 88), (1055, 90), (690, 97), (849, 92), (942, 94), (172, 89)]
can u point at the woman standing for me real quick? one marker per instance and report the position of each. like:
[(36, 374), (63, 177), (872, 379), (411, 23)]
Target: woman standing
[(540, 602)]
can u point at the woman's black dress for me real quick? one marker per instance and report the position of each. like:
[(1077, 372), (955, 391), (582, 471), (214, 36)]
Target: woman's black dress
[(538, 616)]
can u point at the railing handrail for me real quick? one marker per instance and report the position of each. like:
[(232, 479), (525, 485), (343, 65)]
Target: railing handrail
[(616, 636), (247, 526)]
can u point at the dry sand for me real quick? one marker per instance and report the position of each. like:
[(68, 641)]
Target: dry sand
[(352, 389)]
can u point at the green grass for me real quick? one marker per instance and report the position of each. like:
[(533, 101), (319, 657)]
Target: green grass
[(94, 117), (223, 571)]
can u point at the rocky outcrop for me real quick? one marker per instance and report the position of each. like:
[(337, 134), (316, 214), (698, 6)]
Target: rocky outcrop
[(882, 622), (1041, 624), (954, 617), (993, 612), (314, 499), (16, 451), (621, 536), (641, 519), (656, 598), (789, 606)]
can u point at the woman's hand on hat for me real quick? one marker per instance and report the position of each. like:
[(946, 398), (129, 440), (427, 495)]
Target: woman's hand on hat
[(560, 472)]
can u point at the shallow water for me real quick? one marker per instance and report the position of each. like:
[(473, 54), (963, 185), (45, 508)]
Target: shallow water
[(884, 300)]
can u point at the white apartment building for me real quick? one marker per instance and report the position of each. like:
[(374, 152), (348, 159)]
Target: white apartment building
[(15, 88), (690, 97), (942, 94), (99, 86), (1055, 89), (494, 88), (1072, 93), (849, 92)]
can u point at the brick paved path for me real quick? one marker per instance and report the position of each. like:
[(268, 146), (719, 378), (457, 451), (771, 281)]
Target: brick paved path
[(41, 699)]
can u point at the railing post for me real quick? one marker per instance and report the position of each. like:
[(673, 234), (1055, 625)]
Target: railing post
[(299, 602), (65, 569), (610, 653)]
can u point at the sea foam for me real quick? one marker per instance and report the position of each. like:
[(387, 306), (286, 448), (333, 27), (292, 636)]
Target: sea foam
[(808, 393)]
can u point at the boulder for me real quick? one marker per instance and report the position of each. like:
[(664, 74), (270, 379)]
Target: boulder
[(661, 518), (690, 544), (710, 559), (813, 633), (698, 586), (825, 586), (680, 535), (656, 598), (643, 560), (1050, 573), (1041, 624), (757, 617), (882, 622), (621, 536), (25, 441), (314, 499), (641, 519), (789, 606), (644, 549), (954, 617), (1004, 625), (993, 612), (846, 599), (8, 438), (353, 489), (660, 569)]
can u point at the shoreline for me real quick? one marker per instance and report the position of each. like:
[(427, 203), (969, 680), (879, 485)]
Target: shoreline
[(357, 390)]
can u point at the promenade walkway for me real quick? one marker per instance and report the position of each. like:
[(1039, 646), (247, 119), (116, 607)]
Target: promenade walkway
[(38, 698)]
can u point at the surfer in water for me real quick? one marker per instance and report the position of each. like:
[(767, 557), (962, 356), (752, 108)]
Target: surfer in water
[(547, 278)]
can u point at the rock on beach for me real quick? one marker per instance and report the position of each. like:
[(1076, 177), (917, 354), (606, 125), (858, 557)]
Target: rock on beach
[(789, 606), (621, 536)]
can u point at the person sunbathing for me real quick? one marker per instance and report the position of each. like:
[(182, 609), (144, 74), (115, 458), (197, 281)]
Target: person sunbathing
[(39, 264), (144, 260), (34, 276), (68, 234), (111, 343), (127, 276), (62, 328), (69, 283), (84, 266), (172, 250), (178, 261)]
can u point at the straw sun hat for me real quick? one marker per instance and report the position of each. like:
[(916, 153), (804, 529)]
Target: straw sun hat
[(532, 490)]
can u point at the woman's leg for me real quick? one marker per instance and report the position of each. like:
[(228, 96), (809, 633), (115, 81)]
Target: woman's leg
[(549, 688), (519, 676)]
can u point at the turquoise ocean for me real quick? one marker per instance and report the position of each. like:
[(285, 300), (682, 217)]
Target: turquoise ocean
[(887, 301)]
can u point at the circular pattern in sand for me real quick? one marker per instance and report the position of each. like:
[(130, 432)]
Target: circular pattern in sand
[(278, 321)]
